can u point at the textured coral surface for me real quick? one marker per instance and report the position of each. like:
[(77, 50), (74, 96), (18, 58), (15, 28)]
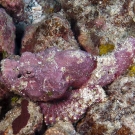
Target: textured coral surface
[(7, 33), (25, 118), (62, 128), (75, 73), (101, 21), (53, 31), (116, 114), (14, 7)]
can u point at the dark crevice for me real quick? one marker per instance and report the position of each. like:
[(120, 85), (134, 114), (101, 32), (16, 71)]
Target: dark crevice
[(20, 28), (1, 56), (42, 130), (1, 6), (19, 76), (5, 104), (75, 28), (76, 31)]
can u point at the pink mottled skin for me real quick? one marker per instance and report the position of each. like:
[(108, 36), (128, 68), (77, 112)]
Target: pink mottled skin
[(73, 106), (47, 75), (68, 81)]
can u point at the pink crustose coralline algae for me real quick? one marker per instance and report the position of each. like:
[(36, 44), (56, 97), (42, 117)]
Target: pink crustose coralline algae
[(7, 33), (14, 7)]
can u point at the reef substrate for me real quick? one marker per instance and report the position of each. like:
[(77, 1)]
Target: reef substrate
[(67, 67)]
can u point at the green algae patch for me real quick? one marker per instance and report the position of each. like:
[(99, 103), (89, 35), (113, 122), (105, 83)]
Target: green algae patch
[(105, 48), (131, 70)]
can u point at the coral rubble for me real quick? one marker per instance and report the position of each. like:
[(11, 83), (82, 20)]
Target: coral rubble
[(7, 34), (15, 8), (101, 21), (76, 71), (53, 31), (61, 128), (7, 43), (116, 114), (110, 66), (37, 10), (25, 118), (50, 6)]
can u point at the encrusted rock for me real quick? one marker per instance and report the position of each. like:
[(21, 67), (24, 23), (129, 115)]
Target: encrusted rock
[(61, 128), (37, 10), (117, 114), (4, 91), (131, 9), (67, 84), (22, 119), (7, 34), (100, 22), (89, 127), (33, 11), (50, 6), (54, 31), (112, 65), (15, 8)]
